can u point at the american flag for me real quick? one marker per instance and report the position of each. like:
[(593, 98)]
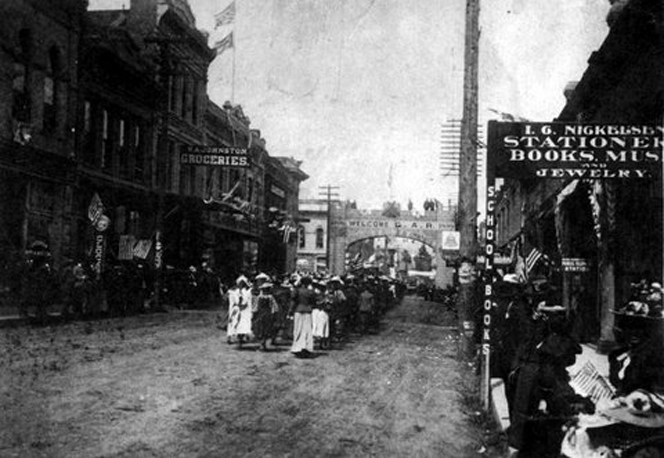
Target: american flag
[(533, 257), (225, 43), (287, 231), (227, 16)]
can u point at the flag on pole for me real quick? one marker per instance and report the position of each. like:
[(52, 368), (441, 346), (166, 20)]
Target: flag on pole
[(533, 257), (95, 209), (287, 231), (227, 16), (225, 43)]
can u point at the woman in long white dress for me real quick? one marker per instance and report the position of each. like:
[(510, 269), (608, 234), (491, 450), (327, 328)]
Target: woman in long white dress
[(320, 316), (233, 313), (243, 328)]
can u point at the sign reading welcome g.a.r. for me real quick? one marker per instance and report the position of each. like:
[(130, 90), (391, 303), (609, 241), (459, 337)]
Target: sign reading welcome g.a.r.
[(565, 150), (397, 224)]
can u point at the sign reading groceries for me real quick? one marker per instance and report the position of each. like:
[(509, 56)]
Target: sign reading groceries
[(220, 156), (581, 151)]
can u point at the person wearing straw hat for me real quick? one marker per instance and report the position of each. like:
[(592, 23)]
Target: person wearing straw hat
[(304, 299), (638, 362), (241, 324), (320, 315), (264, 313)]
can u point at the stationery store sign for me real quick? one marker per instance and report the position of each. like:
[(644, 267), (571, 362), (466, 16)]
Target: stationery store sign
[(576, 151)]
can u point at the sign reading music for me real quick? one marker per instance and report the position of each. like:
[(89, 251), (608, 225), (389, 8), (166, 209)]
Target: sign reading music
[(566, 150), (220, 156)]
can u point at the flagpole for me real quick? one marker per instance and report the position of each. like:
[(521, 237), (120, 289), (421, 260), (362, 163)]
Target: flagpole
[(233, 75), (235, 2)]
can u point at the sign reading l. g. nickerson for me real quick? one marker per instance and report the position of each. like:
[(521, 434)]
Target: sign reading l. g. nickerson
[(217, 156), (566, 150)]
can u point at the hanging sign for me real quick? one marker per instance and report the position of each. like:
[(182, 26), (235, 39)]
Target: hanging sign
[(219, 156), (451, 240), (575, 265), (99, 253), (571, 150)]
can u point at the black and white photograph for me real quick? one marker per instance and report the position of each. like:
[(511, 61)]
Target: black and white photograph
[(332, 228)]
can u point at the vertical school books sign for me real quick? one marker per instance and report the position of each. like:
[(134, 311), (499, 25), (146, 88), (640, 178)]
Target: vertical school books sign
[(564, 151)]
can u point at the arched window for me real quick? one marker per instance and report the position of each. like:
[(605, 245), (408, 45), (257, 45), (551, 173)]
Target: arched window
[(53, 69), (319, 237), (21, 76)]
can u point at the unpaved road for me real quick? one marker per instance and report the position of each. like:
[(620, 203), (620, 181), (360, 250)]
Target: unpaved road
[(168, 385)]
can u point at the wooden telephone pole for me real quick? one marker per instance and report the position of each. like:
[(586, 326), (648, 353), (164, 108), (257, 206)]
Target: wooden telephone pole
[(467, 211), (329, 192)]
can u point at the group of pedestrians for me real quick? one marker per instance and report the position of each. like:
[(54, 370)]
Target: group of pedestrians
[(308, 311)]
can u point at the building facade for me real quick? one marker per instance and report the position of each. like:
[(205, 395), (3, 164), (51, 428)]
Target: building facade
[(38, 87), (100, 106), (312, 235), (613, 226)]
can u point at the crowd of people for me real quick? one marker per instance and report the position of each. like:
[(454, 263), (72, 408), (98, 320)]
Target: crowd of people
[(534, 344), (309, 311)]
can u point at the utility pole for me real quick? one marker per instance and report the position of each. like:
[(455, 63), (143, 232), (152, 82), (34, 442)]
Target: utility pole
[(165, 72), (467, 210), (328, 192)]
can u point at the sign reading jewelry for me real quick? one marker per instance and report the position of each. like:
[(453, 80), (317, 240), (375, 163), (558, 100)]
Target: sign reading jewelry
[(220, 156), (582, 151)]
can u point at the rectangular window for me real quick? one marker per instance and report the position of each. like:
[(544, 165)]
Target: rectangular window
[(194, 103), (124, 145), (172, 92), (21, 102), (139, 155), (49, 104), (87, 135), (105, 160), (185, 90)]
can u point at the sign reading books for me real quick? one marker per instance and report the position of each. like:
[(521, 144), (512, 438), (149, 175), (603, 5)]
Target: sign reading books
[(219, 156), (569, 150)]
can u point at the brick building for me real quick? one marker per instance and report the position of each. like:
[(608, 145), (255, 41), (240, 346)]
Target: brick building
[(38, 83)]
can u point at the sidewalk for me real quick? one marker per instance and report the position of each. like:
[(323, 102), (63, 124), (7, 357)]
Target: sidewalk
[(499, 401)]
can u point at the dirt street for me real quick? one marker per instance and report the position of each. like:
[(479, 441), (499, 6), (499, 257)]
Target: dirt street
[(169, 385)]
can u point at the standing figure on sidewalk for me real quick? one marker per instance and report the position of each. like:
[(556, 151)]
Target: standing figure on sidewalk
[(264, 315), (38, 287), (543, 399), (242, 328), (233, 311), (366, 309), (320, 315), (303, 340)]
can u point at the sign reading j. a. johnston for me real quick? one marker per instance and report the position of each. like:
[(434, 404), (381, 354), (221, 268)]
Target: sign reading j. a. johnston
[(562, 150), (219, 156)]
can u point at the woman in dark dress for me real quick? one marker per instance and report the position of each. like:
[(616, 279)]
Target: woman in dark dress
[(265, 312)]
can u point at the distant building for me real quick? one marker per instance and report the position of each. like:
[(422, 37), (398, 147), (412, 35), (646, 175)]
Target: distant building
[(312, 236), (283, 176)]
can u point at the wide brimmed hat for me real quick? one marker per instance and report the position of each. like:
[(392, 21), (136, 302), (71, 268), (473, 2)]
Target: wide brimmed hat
[(639, 309), (262, 276), (242, 279), (336, 279), (640, 408), (38, 249)]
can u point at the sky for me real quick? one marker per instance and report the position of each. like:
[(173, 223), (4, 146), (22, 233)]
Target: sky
[(356, 88)]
